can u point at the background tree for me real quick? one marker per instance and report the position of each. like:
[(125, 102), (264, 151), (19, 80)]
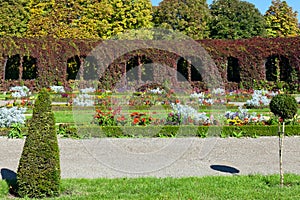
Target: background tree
[(87, 19), (14, 16), (61, 19), (235, 19), (191, 17), (281, 20), (127, 15)]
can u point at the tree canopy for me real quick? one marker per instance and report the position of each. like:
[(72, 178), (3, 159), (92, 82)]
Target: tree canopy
[(190, 17), (281, 20), (14, 16), (127, 15), (235, 19), (87, 19)]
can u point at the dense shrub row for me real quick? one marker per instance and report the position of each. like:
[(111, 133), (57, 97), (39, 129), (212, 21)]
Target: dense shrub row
[(52, 54), (169, 131)]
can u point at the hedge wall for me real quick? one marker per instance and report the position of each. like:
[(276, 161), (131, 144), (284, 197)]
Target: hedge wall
[(172, 131), (52, 54)]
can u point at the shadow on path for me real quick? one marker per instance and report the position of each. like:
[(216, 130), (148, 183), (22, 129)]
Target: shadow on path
[(224, 168), (11, 179)]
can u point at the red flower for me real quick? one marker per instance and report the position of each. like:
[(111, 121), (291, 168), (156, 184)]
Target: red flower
[(122, 118), (134, 114), (136, 120)]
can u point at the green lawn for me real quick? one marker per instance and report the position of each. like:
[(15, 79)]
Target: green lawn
[(67, 116), (210, 187)]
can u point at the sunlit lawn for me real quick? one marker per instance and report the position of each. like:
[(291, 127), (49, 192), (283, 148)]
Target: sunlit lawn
[(211, 187)]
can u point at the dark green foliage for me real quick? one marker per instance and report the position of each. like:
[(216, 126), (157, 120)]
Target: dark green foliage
[(190, 17), (14, 17), (186, 131), (68, 131), (284, 106), (39, 168), (235, 19)]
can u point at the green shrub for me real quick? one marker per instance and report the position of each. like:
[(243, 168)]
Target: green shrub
[(186, 131), (39, 168), (68, 131), (284, 106)]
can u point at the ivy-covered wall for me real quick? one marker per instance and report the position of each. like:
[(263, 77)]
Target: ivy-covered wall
[(249, 55)]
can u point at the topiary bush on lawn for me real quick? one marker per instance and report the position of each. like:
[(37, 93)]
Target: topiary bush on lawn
[(284, 106), (39, 167)]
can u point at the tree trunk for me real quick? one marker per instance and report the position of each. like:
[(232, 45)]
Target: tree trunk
[(281, 136)]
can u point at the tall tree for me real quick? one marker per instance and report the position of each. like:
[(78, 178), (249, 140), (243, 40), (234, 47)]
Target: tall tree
[(190, 17), (14, 16), (59, 19), (235, 19), (281, 20), (88, 19), (127, 15)]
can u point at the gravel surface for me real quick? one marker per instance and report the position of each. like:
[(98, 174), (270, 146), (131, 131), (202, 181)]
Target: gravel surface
[(164, 157)]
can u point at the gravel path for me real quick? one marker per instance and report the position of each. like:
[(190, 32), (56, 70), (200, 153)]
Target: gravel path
[(164, 157)]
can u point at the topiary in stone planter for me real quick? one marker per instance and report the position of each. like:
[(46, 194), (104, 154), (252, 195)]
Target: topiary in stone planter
[(285, 107), (39, 167)]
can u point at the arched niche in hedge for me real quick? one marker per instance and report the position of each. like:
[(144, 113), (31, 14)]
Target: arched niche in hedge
[(73, 66), (90, 68), (278, 68), (139, 68), (233, 70), (183, 70), (188, 69), (12, 67), (29, 68)]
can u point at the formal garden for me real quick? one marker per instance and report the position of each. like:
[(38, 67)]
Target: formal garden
[(92, 70), (135, 98)]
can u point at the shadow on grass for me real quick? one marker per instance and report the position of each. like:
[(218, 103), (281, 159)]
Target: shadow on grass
[(11, 179), (224, 168)]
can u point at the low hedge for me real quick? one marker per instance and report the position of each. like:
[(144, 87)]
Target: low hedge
[(185, 131), (173, 131)]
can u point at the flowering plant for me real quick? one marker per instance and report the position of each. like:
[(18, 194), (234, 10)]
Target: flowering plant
[(88, 90), (20, 91), (57, 89), (106, 117), (189, 114), (140, 119), (10, 116), (242, 117), (157, 91), (260, 98), (83, 100)]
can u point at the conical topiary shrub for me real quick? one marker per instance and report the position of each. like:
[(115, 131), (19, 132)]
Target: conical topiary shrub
[(39, 167)]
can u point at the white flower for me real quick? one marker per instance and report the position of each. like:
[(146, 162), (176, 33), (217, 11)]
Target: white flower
[(83, 100), (157, 91), (9, 116), (218, 91), (88, 90), (19, 91), (57, 89)]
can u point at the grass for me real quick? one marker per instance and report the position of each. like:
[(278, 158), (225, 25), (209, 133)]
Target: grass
[(67, 116), (210, 187)]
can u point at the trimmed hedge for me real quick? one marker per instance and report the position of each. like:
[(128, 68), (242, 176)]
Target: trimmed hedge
[(39, 167), (185, 131), (52, 54), (171, 131)]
